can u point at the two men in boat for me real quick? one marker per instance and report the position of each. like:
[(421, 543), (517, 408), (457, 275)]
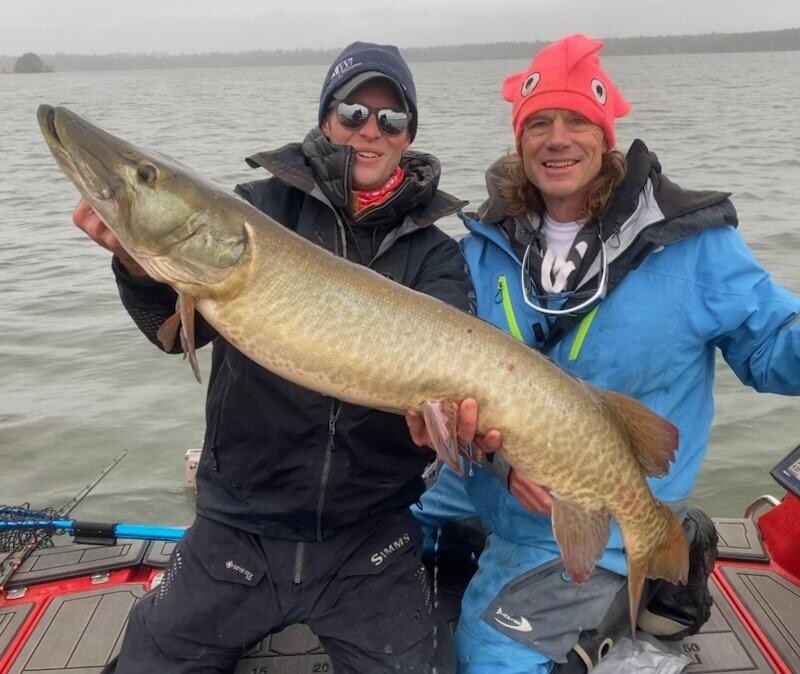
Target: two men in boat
[(628, 281)]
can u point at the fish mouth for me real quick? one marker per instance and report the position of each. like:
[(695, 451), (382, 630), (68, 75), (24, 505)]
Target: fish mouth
[(84, 169), (121, 183), (46, 114)]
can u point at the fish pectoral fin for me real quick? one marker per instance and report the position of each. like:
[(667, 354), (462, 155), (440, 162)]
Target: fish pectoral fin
[(186, 309), (653, 439), (168, 332), (181, 323), (441, 421), (581, 535)]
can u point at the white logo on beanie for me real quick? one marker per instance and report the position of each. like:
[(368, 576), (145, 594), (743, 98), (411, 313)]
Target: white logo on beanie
[(342, 67), (599, 91), (530, 84)]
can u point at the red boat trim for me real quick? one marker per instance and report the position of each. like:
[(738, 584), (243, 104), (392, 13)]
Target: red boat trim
[(42, 594)]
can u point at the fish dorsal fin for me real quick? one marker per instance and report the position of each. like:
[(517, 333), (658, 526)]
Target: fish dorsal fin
[(581, 535), (653, 439)]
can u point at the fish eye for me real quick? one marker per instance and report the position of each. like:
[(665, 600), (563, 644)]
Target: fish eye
[(147, 173)]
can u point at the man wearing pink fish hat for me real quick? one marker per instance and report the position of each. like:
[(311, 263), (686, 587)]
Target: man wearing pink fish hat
[(631, 283)]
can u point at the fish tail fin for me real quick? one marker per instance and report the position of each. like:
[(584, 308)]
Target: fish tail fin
[(669, 560), (636, 576), (653, 439)]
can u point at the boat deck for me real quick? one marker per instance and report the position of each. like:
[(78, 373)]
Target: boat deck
[(76, 627)]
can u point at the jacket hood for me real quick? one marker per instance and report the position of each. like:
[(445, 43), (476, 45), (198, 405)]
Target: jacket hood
[(494, 208), (323, 169), (646, 212), (645, 198)]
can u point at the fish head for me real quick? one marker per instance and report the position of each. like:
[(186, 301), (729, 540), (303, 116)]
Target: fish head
[(170, 219)]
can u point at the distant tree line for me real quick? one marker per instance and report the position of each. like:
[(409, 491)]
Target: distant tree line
[(779, 40)]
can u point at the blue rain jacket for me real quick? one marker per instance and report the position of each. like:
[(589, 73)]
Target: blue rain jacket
[(683, 285)]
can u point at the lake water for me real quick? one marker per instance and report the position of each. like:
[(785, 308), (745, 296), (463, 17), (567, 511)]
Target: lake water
[(79, 383)]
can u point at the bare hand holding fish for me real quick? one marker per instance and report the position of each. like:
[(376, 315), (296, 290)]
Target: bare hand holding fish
[(90, 223), (535, 498)]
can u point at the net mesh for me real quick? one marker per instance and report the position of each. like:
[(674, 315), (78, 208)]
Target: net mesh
[(13, 540)]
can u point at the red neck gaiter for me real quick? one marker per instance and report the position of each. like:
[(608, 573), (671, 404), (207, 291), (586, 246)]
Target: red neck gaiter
[(363, 199)]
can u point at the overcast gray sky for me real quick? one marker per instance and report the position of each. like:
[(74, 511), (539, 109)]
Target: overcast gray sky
[(174, 26)]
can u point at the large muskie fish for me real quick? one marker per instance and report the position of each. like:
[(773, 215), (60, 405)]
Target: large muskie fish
[(345, 331)]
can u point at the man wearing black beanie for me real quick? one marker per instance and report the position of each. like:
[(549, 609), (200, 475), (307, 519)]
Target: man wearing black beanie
[(303, 500)]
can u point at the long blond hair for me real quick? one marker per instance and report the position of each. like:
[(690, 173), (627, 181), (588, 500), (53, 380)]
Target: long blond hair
[(521, 196)]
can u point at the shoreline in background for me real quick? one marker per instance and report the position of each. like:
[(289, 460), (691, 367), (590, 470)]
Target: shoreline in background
[(774, 40)]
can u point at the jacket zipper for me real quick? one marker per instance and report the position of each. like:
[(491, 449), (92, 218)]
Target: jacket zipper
[(327, 461), (299, 557), (508, 308), (213, 444)]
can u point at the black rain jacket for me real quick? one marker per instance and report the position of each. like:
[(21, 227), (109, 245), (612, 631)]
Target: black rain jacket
[(279, 460)]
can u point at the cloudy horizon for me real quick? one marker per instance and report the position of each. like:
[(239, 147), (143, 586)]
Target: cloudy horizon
[(174, 27)]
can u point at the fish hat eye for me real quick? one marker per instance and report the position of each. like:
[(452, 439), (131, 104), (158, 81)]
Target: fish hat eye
[(530, 84), (147, 172), (599, 91)]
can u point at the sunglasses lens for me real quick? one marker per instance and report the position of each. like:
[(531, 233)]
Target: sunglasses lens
[(354, 116), (392, 122)]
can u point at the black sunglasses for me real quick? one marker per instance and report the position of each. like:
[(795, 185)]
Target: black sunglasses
[(355, 115)]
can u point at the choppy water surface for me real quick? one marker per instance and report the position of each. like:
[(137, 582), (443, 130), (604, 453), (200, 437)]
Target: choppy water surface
[(79, 383)]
